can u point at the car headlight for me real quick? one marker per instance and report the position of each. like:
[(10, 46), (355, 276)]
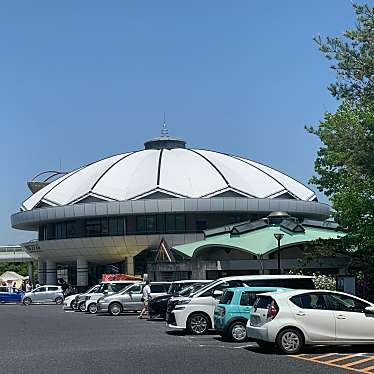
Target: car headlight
[(184, 302)]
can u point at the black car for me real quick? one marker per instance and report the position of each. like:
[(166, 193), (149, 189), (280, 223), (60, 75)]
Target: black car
[(157, 306)]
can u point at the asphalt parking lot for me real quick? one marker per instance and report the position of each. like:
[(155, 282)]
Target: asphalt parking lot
[(45, 339)]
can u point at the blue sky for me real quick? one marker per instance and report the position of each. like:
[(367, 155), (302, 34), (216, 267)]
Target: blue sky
[(81, 80)]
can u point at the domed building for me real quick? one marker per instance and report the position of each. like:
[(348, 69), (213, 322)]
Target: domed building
[(113, 211)]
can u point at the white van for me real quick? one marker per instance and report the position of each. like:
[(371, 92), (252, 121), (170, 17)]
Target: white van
[(196, 313)]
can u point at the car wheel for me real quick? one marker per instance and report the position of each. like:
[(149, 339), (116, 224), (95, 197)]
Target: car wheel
[(72, 304), (27, 301), (198, 324), (115, 309), (92, 308), (59, 300), (82, 306), (237, 332), (290, 341)]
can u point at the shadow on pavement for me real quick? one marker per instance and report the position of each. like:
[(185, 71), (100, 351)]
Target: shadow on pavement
[(320, 350), (228, 341), (175, 332), (339, 349), (133, 314)]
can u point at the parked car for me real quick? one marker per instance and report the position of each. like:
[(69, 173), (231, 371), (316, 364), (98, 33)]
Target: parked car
[(293, 319), (106, 288), (196, 313), (10, 295), (70, 302), (233, 311), (44, 294), (158, 305), (130, 299)]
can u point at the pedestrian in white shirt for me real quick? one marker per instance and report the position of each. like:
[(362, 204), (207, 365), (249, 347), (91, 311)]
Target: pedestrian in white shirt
[(146, 298), (28, 286)]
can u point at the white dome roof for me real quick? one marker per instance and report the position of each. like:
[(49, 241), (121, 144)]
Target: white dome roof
[(176, 172)]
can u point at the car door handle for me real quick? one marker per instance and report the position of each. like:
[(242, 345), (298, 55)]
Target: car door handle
[(300, 314), (340, 316)]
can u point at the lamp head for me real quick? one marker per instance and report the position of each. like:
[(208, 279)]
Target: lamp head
[(278, 236)]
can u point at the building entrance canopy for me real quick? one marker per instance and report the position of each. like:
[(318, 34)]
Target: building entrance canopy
[(257, 238)]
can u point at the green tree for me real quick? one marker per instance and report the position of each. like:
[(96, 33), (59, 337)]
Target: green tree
[(353, 58), (345, 161), (18, 267)]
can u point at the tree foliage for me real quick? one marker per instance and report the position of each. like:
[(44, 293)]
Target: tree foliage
[(345, 161), (18, 267), (353, 58), (345, 170)]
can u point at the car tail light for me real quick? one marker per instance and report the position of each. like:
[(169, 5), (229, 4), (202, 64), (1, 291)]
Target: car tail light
[(222, 312), (273, 310)]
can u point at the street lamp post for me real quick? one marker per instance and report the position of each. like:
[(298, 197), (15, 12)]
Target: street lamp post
[(279, 237)]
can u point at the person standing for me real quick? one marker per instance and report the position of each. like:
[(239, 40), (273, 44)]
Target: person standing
[(146, 298)]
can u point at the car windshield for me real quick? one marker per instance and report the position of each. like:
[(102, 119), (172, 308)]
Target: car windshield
[(93, 289), (205, 287), (176, 287), (188, 290)]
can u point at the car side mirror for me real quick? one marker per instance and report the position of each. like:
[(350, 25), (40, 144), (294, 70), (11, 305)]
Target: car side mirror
[(369, 310), (217, 293), (105, 292)]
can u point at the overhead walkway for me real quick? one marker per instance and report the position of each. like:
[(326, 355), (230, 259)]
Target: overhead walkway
[(14, 253)]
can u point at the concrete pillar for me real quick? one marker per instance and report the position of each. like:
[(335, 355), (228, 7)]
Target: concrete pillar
[(51, 272), (82, 273), (30, 268), (130, 269), (199, 269), (41, 272)]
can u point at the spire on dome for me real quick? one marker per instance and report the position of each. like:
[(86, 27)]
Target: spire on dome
[(164, 129)]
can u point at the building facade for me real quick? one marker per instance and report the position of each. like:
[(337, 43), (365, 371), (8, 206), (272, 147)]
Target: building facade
[(108, 215), (251, 248)]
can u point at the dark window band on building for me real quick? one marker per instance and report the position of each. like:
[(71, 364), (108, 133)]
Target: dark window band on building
[(151, 224), (105, 226), (160, 223)]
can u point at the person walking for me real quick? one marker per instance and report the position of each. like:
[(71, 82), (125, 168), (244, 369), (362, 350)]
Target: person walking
[(28, 286), (146, 298)]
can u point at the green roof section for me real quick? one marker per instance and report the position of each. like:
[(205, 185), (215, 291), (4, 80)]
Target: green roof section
[(261, 241)]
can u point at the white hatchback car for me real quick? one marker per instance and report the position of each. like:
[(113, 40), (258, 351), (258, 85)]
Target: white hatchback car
[(44, 294), (292, 319)]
